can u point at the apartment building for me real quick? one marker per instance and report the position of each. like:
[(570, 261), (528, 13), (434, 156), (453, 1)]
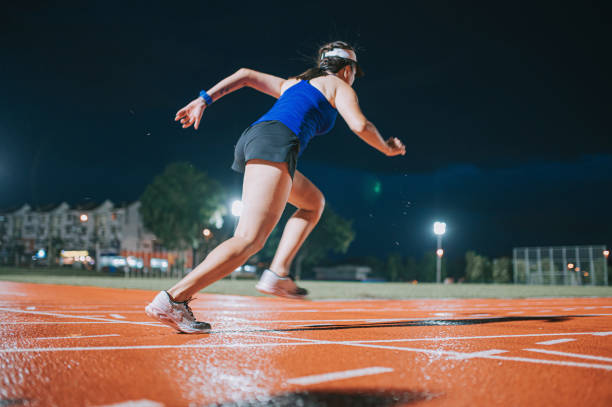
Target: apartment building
[(59, 233)]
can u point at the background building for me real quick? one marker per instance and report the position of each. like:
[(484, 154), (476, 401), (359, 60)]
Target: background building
[(60, 234)]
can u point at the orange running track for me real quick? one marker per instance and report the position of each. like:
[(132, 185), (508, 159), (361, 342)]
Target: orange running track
[(88, 346)]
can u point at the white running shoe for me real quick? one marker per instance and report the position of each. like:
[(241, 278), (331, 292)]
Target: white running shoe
[(271, 283), (178, 315)]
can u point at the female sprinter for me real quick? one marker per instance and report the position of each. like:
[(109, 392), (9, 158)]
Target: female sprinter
[(267, 154)]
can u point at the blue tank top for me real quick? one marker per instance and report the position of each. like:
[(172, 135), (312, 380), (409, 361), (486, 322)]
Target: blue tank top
[(304, 110)]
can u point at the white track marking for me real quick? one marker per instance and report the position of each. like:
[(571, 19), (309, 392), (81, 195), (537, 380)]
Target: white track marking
[(70, 322), (31, 308), (573, 355), (552, 362), (346, 374), (555, 341), (76, 316), (454, 354), (12, 293), (136, 403), (76, 337), (478, 354), (117, 316), (143, 347), (453, 338)]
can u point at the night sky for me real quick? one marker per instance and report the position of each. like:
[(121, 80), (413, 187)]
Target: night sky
[(504, 108)]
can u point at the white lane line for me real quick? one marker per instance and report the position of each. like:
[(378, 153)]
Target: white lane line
[(478, 354), (92, 348), (346, 374), (573, 355), (12, 293), (76, 316), (454, 338), (77, 337), (555, 341), (552, 362), (31, 308), (136, 403), (69, 322), (117, 316), (453, 354)]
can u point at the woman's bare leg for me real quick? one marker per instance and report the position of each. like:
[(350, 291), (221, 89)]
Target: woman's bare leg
[(310, 203), (265, 191)]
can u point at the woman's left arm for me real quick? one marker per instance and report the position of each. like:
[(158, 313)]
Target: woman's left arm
[(265, 83)]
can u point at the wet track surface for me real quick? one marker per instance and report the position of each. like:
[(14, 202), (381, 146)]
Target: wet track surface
[(86, 346)]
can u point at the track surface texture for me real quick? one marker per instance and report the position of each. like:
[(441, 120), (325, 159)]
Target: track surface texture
[(88, 346)]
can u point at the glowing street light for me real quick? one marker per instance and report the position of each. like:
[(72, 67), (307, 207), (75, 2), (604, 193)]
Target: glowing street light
[(206, 232), (606, 253), (84, 218), (439, 229)]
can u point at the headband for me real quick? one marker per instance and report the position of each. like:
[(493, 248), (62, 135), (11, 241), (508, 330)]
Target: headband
[(337, 52)]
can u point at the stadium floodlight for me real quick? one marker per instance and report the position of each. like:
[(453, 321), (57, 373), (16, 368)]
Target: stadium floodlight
[(439, 229), (237, 208)]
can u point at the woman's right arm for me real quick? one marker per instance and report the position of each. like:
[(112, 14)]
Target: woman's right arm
[(265, 83), (348, 107)]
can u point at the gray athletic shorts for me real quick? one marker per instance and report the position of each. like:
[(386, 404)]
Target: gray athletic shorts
[(270, 140)]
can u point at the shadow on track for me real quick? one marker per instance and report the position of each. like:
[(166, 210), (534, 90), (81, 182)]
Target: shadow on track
[(339, 398), (397, 324)]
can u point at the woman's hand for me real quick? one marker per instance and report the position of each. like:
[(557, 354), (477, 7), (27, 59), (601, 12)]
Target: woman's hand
[(192, 113), (395, 147)]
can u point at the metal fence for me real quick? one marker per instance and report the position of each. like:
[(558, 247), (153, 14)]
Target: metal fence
[(561, 265)]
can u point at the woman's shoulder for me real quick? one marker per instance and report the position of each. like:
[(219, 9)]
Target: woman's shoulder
[(328, 85)]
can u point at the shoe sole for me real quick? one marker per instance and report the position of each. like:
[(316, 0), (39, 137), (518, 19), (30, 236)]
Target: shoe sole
[(279, 293), (162, 317)]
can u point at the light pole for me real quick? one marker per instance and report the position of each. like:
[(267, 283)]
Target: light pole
[(439, 230), (606, 253)]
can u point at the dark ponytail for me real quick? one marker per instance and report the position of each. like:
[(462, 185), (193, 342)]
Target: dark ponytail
[(328, 65)]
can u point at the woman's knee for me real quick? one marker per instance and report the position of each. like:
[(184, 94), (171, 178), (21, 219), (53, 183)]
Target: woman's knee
[(319, 205), (251, 243)]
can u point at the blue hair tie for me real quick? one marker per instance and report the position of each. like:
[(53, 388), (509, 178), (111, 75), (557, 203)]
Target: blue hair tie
[(206, 97)]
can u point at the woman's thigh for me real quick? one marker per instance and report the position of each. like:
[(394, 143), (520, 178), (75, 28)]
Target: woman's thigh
[(305, 195), (265, 190)]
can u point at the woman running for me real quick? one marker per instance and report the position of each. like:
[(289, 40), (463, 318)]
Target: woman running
[(267, 154)]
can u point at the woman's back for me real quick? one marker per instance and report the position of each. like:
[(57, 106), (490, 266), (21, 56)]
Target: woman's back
[(304, 108)]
